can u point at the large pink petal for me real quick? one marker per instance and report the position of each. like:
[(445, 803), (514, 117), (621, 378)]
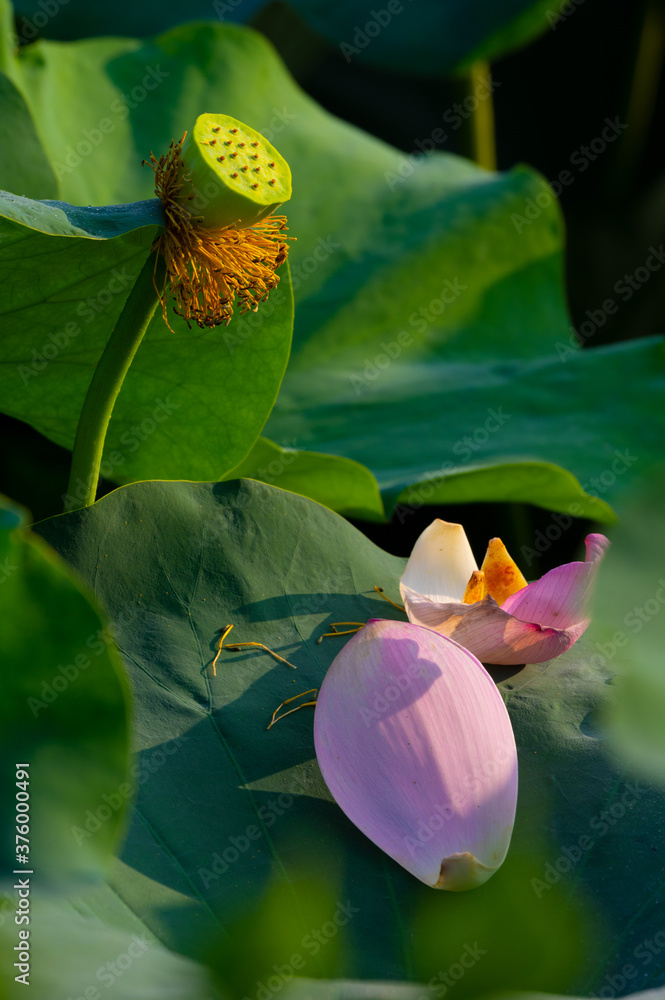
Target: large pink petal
[(561, 597), (489, 632), (416, 746)]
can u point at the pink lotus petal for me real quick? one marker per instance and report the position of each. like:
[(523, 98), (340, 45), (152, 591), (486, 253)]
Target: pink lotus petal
[(561, 597), (416, 746), (489, 632)]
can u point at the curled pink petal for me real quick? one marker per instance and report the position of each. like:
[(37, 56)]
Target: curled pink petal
[(416, 746), (489, 632), (561, 597)]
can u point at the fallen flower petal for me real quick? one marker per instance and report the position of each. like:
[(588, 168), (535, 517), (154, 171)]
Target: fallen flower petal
[(557, 597), (441, 563), (498, 616), (489, 632), (415, 744)]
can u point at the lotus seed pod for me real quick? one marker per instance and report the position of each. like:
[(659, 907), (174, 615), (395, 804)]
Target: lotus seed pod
[(237, 177)]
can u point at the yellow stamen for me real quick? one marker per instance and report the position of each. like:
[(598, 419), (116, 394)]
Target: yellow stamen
[(502, 575), (335, 630), (305, 704), (379, 590), (208, 269), (223, 636), (475, 588), (259, 645)]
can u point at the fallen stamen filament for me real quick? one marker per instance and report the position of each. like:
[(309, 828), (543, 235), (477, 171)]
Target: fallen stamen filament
[(336, 631), (223, 636), (259, 645), (379, 590), (275, 718)]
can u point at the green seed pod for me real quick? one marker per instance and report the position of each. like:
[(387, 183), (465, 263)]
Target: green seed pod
[(237, 177)]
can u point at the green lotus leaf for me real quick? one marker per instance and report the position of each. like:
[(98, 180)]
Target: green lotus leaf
[(432, 337), (63, 714), (192, 399), (389, 34), (227, 807)]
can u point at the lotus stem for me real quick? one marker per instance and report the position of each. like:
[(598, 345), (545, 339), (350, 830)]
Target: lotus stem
[(640, 105), (107, 381), (482, 139)]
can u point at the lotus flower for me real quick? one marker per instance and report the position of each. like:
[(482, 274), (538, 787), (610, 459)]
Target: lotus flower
[(493, 612), (415, 744)]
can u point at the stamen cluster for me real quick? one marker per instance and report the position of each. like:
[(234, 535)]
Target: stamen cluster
[(208, 269)]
